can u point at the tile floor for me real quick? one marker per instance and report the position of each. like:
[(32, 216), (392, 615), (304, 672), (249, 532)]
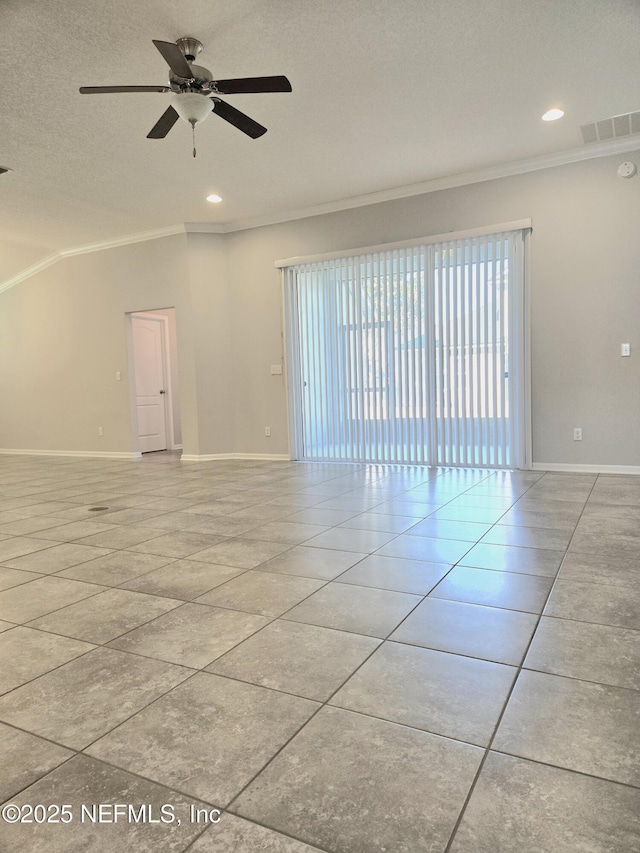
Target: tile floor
[(348, 659)]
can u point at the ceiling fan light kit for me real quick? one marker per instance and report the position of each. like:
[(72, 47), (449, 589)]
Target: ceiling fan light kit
[(192, 107), (196, 92)]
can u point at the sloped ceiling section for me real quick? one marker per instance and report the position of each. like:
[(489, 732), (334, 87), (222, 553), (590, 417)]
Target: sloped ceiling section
[(385, 95)]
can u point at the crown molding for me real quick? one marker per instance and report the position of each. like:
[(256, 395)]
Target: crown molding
[(34, 269), (507, 170), (126, 240), (491, 173), (88, 248), (204, 228)]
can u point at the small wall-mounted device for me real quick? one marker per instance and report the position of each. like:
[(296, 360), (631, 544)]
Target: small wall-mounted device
[(627, 169)]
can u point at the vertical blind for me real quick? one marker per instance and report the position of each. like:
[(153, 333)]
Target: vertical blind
[(409, 355)]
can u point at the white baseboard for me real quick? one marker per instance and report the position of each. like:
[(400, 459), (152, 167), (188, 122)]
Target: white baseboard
[(213, 457), (87, 454), (268, 457), (206, 457), (283, 457), (586, 469)]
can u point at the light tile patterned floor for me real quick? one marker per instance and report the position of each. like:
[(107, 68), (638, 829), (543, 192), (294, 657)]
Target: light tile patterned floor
[(350, 659)]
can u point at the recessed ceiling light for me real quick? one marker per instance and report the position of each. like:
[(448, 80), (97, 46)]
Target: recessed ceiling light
[(214, 199), (553, 115)]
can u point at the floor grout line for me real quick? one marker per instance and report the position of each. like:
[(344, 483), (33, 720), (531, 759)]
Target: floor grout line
[(283, 616), (505, 704)]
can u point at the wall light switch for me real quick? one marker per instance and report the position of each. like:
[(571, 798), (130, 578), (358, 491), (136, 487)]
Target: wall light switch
[(118, 376), (625, 349), (276, 370)]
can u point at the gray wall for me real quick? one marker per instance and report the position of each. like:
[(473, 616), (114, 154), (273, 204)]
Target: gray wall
[(62, 332), (211, 336), (585, 299), (14, 257), (63, 336)]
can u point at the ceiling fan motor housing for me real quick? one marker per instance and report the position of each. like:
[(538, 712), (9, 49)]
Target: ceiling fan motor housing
[(202, 79)]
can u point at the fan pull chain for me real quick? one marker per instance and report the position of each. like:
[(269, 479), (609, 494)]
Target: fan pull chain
[(193, 134)]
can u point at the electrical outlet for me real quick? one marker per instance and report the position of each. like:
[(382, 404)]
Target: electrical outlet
[(625, 349), (118, 376), (267, 431), (577, 434), (100, 431)]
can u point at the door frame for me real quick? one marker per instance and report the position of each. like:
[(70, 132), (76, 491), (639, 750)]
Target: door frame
[(166, 366)]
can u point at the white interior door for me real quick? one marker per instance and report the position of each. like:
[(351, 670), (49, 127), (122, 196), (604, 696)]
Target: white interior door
[(149, 361)]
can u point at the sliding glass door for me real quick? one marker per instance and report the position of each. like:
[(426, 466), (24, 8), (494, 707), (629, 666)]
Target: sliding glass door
[(410, 354)]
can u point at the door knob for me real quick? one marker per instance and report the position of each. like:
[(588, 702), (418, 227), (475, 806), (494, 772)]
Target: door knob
[(162, 392)]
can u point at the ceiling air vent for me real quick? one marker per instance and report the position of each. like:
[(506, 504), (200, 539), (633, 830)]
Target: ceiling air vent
[(611, 128)]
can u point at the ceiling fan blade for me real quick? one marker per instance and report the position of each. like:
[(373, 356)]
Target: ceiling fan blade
[(98, 90), (237, 119), (174, 58), (164, 124), (253, 84)]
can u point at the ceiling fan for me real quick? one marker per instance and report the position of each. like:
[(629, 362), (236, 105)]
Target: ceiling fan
[(196, 92)]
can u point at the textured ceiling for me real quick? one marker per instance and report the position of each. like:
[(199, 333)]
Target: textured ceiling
[(385, 94)]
